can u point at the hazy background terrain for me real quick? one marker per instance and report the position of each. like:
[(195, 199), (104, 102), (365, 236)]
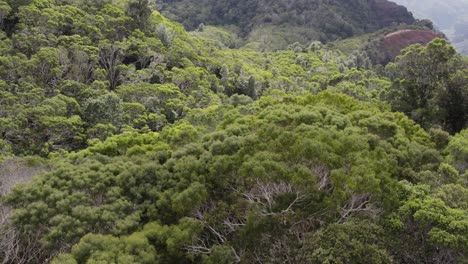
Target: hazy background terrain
[(450, 16)]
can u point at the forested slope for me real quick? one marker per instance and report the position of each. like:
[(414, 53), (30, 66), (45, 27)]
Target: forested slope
[(276, 24), (134, 141)]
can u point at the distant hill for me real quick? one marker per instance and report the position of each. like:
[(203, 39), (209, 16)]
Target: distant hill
[(276, 23), (450, 16)]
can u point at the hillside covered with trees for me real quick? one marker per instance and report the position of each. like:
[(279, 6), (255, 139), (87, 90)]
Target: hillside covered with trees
[(275, 24), (125, 138)]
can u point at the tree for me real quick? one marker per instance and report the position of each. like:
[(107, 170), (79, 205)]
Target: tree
[(15, 4), (140, 12), (165, 99), (113, 23), (111, 56), (45, 66), (351, 242), (13, 247), (165, 34), (78, 62), (99, 248), (429, 86), (453, 101), (5, 10), (432, 231), (106, 109), (457, 150)]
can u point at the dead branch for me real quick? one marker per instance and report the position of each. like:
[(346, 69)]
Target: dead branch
[(358, 203)]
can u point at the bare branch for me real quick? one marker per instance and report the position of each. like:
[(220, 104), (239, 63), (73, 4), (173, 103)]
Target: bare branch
[(358, 203)]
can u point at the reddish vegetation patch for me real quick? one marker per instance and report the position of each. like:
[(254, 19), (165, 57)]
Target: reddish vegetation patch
[(394, 42)]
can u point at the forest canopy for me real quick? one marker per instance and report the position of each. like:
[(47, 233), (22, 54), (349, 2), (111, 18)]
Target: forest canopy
[(125, 138)]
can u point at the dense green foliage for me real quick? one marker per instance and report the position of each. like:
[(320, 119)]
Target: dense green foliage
[(270, 174), (67, 79), (135, 141), (430, 85)]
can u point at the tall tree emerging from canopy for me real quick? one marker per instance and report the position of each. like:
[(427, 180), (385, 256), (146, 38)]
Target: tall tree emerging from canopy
[(139, 10), (430, 86), (5, 9), (110, 56)]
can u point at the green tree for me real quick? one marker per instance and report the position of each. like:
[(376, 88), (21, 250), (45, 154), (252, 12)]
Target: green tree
[(108, 249), (111, 55), (5, 10), (427, 86), (106, 109), (45, 66), (350, 242), (140, 11), (457, 150), (433, 232)]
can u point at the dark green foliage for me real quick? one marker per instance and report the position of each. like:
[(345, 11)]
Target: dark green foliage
[(276, 24), (430, 86), (352, 242), (106, 109), (140, 11)]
